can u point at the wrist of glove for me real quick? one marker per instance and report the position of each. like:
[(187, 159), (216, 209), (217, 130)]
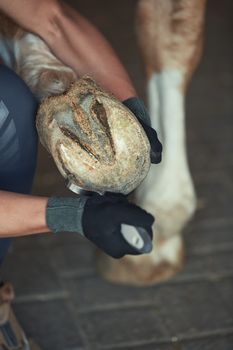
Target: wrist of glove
[(99, 219), (137, 107)]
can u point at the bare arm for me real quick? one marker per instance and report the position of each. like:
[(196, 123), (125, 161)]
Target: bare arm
[(74, 40), (29, 14), (79, 44), (22, 214)]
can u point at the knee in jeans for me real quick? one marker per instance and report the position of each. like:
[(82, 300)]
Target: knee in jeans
[(17, 122), (15, 93)]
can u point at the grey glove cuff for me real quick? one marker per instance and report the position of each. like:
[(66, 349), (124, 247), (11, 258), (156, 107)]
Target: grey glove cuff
[(136, 105), (64, 214)]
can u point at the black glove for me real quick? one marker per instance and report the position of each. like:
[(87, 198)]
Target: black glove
[(99, 218), (137, 107)]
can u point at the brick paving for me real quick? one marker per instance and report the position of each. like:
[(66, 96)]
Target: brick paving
[(65, 305)]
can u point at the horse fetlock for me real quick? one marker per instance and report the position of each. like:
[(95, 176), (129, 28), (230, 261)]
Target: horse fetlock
[(162, 263)]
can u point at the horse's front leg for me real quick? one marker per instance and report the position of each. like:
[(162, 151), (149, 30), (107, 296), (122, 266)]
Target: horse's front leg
[(170, 37), (41, 70)]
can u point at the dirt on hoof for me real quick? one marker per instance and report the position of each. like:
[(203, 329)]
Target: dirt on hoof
[(96, 142)]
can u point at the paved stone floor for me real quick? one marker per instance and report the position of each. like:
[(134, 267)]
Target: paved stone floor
[(65, 305)]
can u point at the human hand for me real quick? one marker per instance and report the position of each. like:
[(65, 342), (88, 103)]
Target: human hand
[(99, 219), (137, 107)]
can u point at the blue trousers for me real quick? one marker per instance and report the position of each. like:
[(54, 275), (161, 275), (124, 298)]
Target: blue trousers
[(18, 139)]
